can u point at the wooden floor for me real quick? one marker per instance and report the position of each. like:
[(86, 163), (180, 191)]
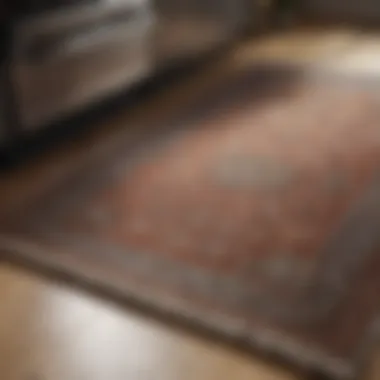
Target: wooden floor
[(49, 331)]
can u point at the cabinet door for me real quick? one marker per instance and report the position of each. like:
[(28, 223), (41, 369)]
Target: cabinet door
[(187, 28), (355, 10)]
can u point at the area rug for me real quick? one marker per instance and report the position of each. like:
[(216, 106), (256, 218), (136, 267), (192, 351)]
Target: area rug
[(255, 215)]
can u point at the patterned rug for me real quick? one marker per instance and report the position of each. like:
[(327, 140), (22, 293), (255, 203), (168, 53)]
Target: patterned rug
[(258, 218)]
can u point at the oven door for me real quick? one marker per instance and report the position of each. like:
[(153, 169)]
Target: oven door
[(65, 60)]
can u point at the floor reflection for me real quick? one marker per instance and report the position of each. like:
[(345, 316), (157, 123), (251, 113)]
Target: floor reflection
[(48, 332)]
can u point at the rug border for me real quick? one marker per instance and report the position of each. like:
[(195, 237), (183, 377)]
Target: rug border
[(269, 341)]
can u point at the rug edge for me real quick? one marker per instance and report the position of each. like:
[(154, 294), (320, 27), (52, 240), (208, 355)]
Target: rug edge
[(269, 341)]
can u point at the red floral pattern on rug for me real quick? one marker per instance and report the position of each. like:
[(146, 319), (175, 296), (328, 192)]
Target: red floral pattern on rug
[(255, 194)]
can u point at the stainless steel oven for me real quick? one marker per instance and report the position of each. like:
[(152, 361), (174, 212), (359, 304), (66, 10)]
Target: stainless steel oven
[(65, 54), (66, 57)]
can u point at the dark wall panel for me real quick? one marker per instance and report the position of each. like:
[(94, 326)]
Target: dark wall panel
[(355, 10)]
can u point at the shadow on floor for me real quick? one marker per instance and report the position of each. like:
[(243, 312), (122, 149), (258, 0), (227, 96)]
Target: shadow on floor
[(249, 87)]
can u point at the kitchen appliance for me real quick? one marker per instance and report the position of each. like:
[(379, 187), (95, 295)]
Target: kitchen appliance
[(69, 56), (66, 54)]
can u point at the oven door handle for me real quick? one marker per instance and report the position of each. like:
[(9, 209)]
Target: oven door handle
[(50, 47)]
